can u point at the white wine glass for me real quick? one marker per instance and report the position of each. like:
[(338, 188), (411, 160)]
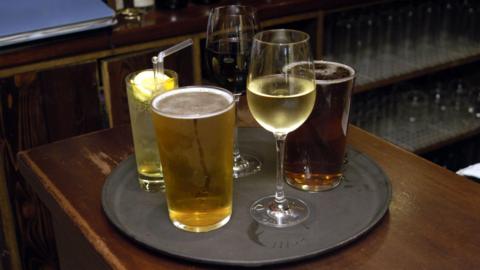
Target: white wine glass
[(230, 32), (281, 95)]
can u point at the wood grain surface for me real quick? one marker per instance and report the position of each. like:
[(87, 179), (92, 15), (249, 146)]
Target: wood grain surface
[(433, 221)]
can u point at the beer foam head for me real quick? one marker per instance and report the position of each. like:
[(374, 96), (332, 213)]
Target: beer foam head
[(331, 72), (193, 102)]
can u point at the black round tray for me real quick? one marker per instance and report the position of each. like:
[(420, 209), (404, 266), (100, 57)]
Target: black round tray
[(337, 217)]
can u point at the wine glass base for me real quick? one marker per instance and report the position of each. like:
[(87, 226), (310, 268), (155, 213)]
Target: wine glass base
[(246, 165), (267, 212)]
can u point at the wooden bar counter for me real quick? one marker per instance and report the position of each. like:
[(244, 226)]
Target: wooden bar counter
[(433, 221)]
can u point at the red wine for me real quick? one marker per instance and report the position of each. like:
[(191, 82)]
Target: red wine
[(227, 63)]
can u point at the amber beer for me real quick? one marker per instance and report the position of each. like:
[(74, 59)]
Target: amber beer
[(314, 153), (194, 128)]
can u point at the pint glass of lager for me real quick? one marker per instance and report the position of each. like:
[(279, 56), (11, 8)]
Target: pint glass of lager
[(194, 127), (141, 88), (315, 152)]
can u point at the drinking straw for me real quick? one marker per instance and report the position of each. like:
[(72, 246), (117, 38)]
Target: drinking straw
[(157, 70), (158, 60)]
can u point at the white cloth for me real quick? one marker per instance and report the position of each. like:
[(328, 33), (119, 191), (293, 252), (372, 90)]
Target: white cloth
[(470, 171)]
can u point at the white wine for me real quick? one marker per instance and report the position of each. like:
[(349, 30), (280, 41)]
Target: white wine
[(281, 95), (281, 103)]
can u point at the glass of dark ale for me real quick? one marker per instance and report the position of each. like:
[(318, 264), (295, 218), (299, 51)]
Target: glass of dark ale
[(315, 152)]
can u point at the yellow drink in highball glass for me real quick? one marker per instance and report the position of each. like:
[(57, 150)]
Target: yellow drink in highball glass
[(194, 128), (141, 89), (280, 103)]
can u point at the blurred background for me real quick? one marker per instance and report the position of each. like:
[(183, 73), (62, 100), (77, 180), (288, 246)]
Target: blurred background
[(417, 85)]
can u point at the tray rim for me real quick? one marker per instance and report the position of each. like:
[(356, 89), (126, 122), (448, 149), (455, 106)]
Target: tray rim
[(373, 222)]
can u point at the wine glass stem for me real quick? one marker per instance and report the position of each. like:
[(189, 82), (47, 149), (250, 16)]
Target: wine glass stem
[(279, 193), (236, 151)]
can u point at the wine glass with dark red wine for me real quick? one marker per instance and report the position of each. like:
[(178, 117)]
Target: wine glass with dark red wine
[(230, 33)]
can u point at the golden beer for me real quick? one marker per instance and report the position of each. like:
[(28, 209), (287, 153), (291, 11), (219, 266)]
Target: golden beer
[(194, 128)]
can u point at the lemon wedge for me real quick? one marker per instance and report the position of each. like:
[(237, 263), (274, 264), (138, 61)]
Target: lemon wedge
[(144, 85)]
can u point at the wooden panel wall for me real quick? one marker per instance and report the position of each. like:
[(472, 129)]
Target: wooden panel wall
[(71, 102), (9, 253), (37, 108)]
